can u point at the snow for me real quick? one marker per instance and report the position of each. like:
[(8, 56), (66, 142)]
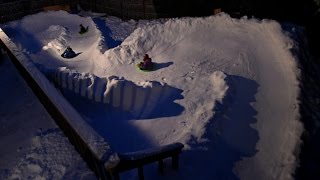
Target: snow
[(226, 88), (32, 146)]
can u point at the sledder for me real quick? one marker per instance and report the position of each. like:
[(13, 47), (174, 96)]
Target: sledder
[(68, 53), (146, 64), (83, 29)]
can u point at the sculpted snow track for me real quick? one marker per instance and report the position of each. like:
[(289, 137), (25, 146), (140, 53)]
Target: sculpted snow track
[(226, 88)]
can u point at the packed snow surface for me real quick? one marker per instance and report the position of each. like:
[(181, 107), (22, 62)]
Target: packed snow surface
[(226, 88)]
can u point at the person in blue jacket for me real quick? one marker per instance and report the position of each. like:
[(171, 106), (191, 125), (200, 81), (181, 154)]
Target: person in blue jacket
[(68, 53)]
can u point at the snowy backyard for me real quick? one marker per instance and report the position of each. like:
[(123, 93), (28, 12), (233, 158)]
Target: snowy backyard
[(226, 88)]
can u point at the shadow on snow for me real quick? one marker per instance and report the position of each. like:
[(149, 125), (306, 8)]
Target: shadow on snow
[(229, 137), (23, 39), (232, 136), (114, 123), (158, 66), (108, 42)]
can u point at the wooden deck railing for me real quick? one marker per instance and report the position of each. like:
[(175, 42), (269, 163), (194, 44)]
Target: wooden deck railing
[(139, 159)]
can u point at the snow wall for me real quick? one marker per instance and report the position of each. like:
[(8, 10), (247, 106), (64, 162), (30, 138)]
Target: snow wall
[(140, 99)]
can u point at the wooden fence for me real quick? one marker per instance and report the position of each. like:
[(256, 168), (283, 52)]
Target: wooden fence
[(127, 9), (13, 10)]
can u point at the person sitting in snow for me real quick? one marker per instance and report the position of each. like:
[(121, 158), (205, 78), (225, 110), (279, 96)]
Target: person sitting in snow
[(83, 29), (68, 53), (146, 64)]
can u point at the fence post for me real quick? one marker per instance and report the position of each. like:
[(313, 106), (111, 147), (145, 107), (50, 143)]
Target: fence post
[(175, 161), (161, 166), (144, 9), (140, 172), (121, 9)]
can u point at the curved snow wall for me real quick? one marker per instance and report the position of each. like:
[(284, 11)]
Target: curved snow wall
[(140, 99), (89, 144)]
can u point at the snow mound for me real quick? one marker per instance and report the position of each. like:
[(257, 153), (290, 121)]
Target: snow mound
[(156, 37), (219, 85), (60, 37)]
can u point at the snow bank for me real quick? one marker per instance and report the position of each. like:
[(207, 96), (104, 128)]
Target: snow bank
[(143, 39), (140, 98)]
